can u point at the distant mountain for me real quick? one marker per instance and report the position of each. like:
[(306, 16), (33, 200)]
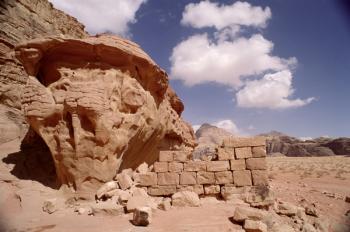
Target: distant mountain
[(209, 134), (277, 142)]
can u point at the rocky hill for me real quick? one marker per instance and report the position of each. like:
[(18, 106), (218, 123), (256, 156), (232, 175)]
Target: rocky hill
[(209, 134), (21, 20), (290, 146)]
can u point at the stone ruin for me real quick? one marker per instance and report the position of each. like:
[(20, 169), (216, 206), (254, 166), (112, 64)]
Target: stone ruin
[(239, 166), (102, 105)]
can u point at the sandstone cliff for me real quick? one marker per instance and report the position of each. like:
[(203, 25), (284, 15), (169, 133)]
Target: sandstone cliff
[(101, 104), (21, 20)]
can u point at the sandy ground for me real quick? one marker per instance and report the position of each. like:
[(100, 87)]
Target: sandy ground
[(321, 180)]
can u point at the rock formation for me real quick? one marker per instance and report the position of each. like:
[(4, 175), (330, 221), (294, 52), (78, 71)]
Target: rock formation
[(101, 105), (209, 134), (290, 146), (21, 20)]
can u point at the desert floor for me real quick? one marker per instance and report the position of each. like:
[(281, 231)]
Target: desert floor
[(324, 181)]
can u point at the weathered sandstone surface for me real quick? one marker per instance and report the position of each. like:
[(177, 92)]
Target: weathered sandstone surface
[(21, 20), (101, 105)]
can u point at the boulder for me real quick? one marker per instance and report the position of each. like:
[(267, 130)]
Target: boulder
[(50, 206), (101, 105), (185, 198), (142, 216)]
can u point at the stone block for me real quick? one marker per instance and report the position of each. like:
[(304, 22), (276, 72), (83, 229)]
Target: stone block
[(224, 177), (242, 178), (188, 178), (142, 216), (160, 166), (180, 187), (217, 166), (237, 164), (256, 164), (229, 191), (124, 181), (205, 178), (168, 178), (195, 166), (248, 213), (176, 167), (166, 156), (211, 189), (226, 153), (148, 179), (244, 142), (259, 151), (181, 156), (260, 177), (162, 190), (243, 152)]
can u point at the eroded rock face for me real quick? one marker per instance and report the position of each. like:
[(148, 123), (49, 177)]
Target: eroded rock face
[(21, 20), (101, 105)]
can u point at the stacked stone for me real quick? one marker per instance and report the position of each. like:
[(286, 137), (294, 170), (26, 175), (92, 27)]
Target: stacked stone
[(240, 162)]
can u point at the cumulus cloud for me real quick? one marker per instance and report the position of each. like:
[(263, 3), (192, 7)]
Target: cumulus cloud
[(227, 57), (227, 125), (112, 16), (210, 14), (272, 91), (198, 59)]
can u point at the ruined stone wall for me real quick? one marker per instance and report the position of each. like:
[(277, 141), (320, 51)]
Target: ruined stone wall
[(240, 164)]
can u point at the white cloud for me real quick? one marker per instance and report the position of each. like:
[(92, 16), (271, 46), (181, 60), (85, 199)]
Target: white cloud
[(227, 57), (198, 59), (209, 14), (272, 91), (102, 16), (227, 125)]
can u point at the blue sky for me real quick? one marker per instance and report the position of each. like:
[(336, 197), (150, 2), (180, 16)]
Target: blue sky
[(249, 67)]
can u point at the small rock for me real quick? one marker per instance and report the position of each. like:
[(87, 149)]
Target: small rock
[(50, 206), (107, 209), (142, 216), (165, 204), (124, 180), (254, 226), (311, 210), (243, 213), (85, 210), (347, 199), (109, 186), (123, 197), (185, 198), (286, 208), (142, 168)]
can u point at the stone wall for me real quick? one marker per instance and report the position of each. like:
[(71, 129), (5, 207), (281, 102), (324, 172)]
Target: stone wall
[(240, 163)]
